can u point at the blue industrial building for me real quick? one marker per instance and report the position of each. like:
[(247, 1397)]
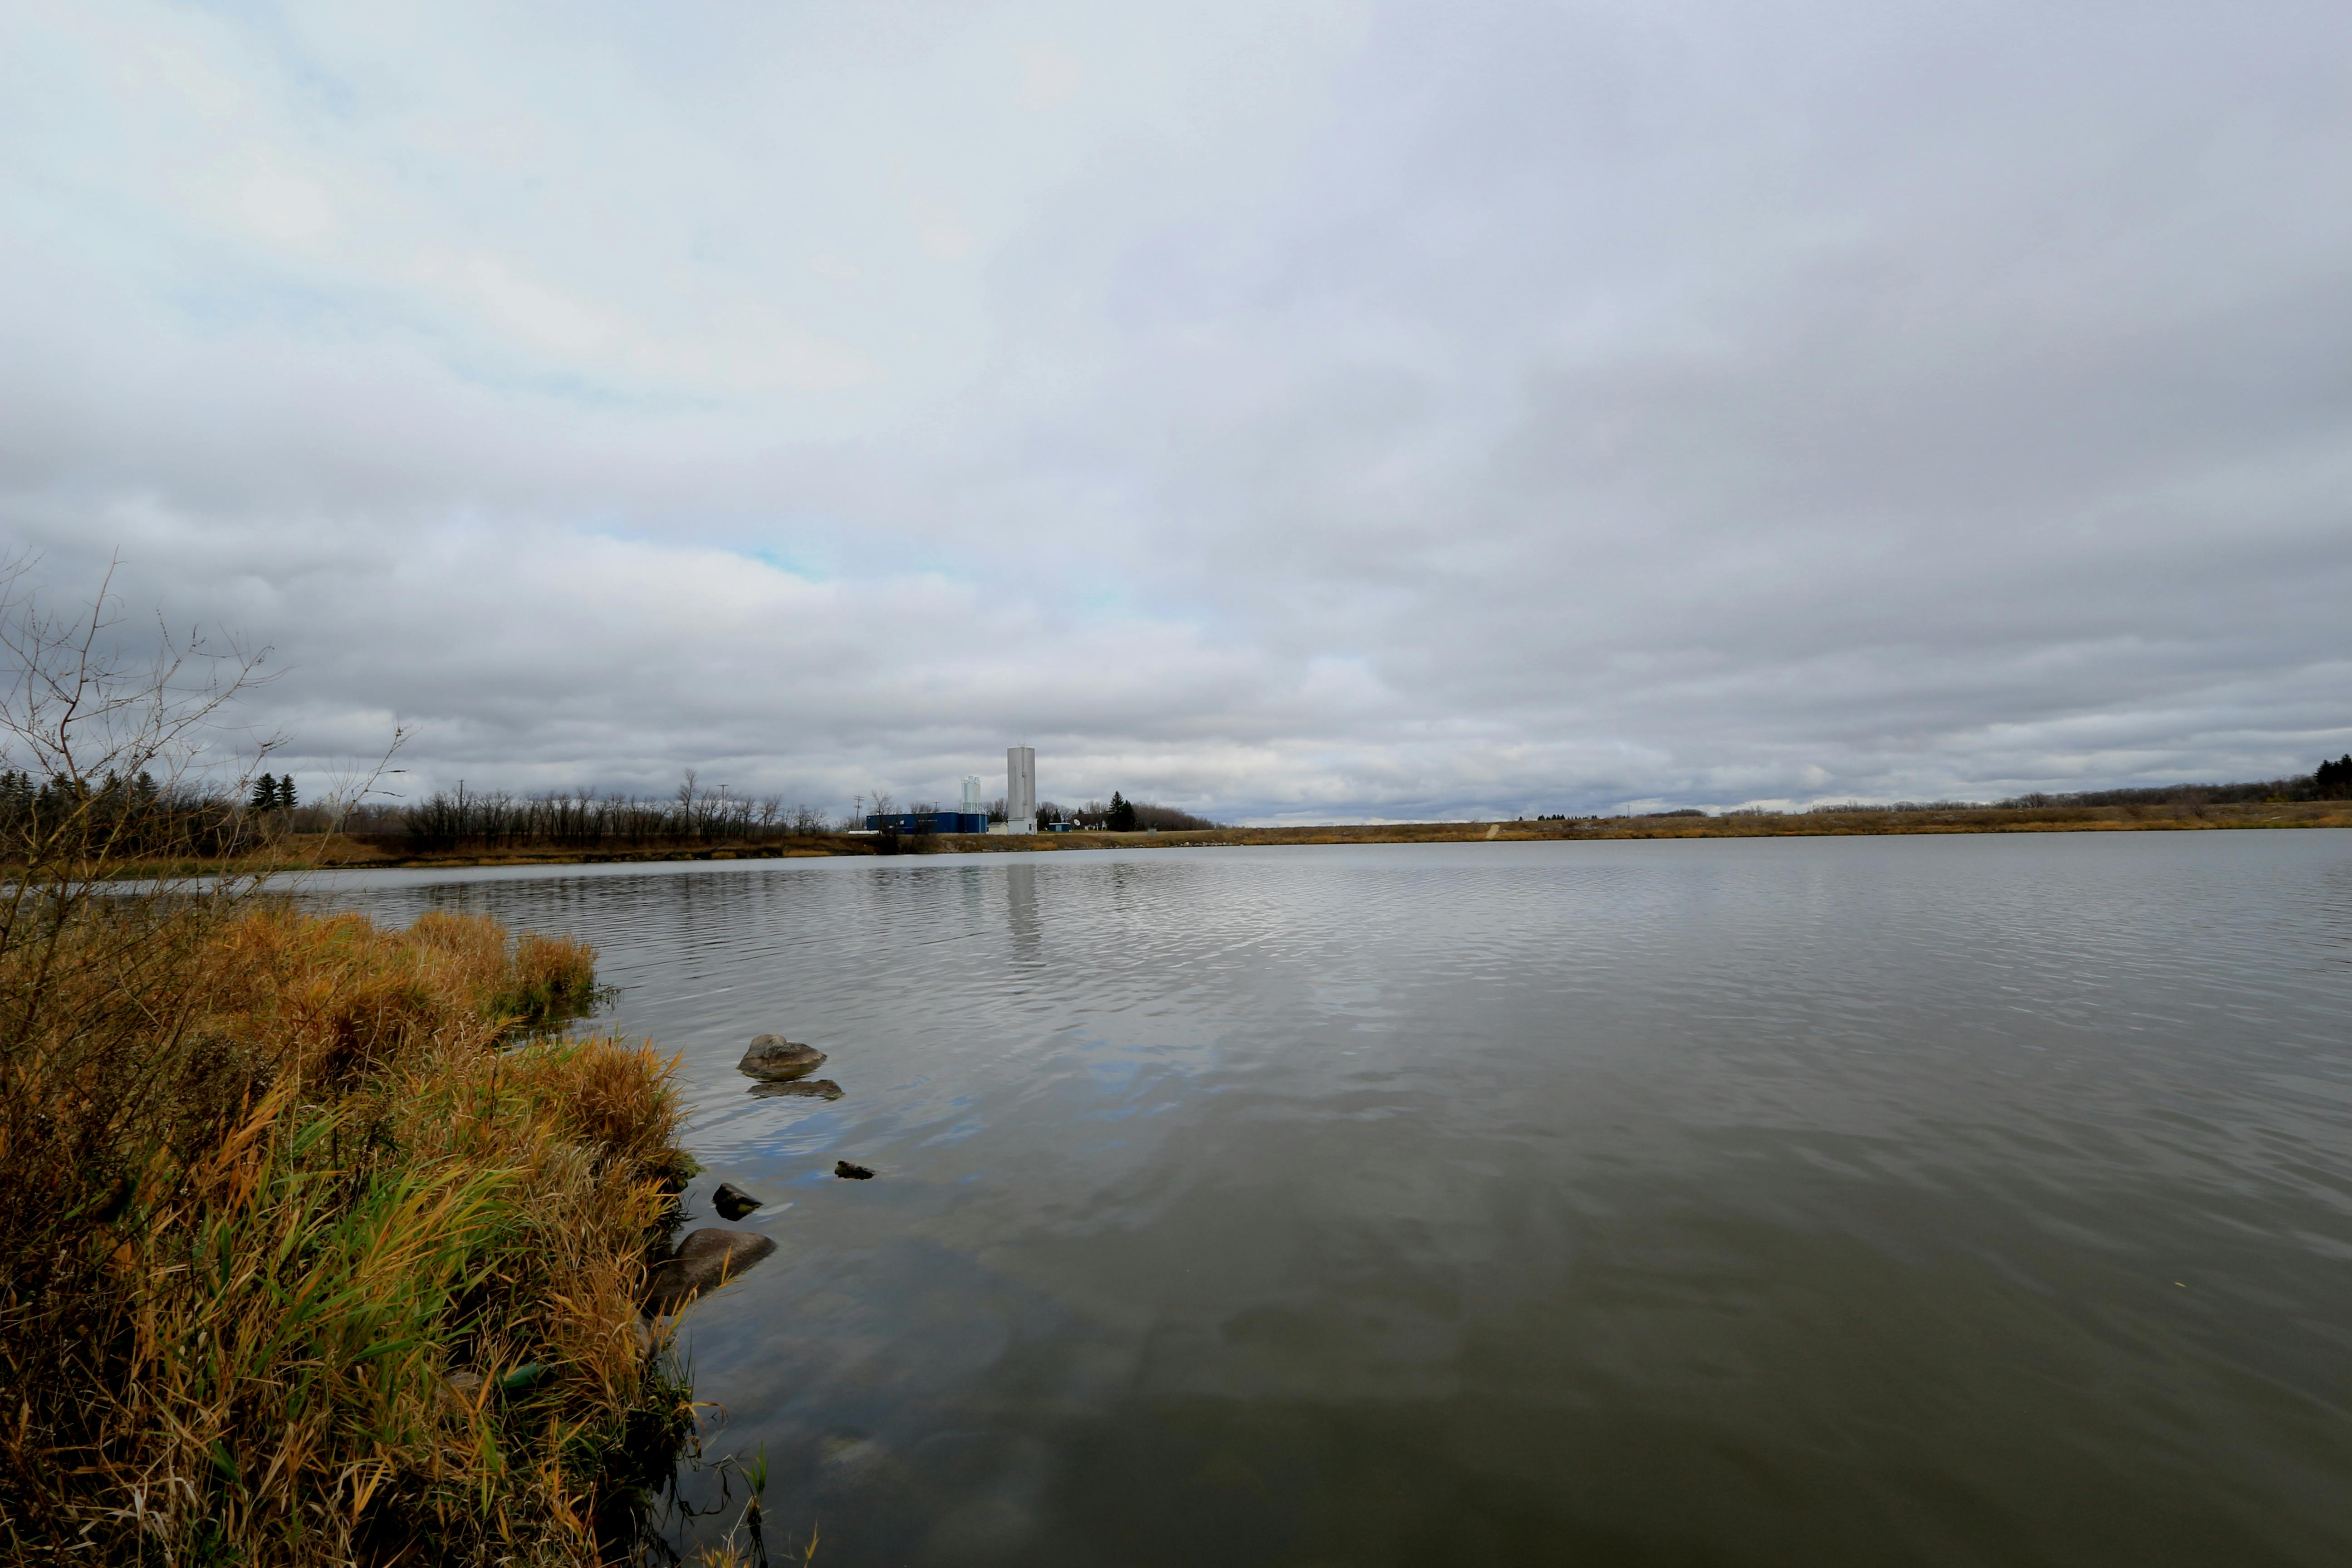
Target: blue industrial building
[(928, 822)]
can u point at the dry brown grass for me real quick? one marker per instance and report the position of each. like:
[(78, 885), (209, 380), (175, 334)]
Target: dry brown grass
[(305, 1262)]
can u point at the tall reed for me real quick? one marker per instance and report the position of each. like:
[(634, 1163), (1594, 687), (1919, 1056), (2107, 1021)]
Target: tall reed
[(325, 1270)]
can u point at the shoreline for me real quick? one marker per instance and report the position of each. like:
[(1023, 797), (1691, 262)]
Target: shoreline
[(340, 853)]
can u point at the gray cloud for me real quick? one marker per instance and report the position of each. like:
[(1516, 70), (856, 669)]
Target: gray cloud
[(1318, 411)]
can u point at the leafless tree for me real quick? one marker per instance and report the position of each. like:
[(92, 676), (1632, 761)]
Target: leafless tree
[(103, 745)]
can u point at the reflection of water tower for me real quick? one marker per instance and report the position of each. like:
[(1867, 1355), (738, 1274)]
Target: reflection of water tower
[(1020, 790)]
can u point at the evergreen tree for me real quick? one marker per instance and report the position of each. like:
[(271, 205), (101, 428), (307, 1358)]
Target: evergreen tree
[(286, 801), (265, 794), (2334, 780), (1122, 818)]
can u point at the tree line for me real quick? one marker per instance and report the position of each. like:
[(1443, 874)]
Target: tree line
[(693, 813), (1122, 815), (69, 817), (2329, 781), (137, 816)]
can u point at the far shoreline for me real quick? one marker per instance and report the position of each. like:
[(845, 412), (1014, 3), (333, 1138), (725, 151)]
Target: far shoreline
[(347, 853)]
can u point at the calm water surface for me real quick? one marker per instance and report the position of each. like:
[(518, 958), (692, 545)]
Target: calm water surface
[(1870, 1201)]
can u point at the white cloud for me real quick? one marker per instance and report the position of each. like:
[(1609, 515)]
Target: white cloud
[(1330, 409)]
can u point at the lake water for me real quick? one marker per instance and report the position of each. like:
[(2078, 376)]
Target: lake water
[(1868, 1201)]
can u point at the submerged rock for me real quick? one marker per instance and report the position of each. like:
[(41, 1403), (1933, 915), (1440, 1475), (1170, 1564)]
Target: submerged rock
[(733, 1202), (849, 1173), (706, 1259), (808, 1087), (773, 1056)]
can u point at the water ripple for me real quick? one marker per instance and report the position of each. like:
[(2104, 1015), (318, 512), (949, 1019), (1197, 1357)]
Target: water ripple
[(1844, 1200)]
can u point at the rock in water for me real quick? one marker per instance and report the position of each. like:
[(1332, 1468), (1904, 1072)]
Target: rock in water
[(706, 1259), (807, 1088), (849, 1173), (733, 1202), (773, 1056)]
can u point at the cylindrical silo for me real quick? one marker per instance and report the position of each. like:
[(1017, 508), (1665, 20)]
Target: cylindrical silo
[(1020, 788)]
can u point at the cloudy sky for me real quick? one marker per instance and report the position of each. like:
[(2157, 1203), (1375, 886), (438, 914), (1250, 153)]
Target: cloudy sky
[(1286, 410)]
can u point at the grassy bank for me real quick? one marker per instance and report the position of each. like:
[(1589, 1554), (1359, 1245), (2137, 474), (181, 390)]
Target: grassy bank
[(310, 1254)]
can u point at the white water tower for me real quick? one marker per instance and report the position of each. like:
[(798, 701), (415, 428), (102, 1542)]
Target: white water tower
[(1020, 790)]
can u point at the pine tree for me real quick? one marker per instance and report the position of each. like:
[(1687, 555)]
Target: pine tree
[(265, 794), (286, 801), (1123, 813)]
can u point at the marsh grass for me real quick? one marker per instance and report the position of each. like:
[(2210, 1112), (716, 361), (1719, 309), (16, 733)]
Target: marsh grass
[(306, 1262)]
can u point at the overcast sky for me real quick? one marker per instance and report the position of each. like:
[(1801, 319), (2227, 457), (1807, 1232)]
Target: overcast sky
[(1287, 411)]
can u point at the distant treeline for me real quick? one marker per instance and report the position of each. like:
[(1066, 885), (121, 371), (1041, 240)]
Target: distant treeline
[(584, 819), (1124, 816), (139, 818), (115, 818), (2329, 781)]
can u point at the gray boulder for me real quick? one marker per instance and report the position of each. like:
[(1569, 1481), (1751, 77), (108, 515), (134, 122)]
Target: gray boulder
[(707, 1260), (773, 1057)]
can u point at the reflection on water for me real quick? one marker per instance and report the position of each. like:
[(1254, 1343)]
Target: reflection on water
[(1865, 1201), (804, 1088)]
